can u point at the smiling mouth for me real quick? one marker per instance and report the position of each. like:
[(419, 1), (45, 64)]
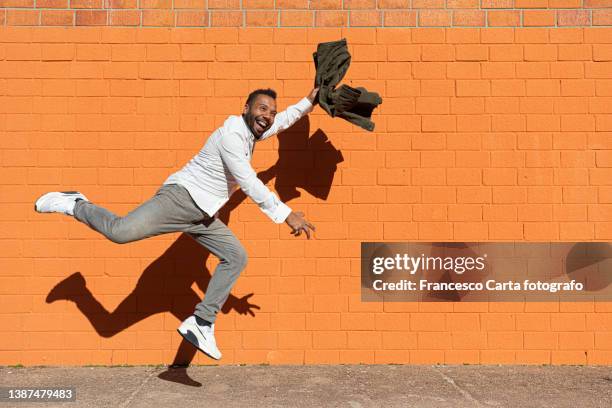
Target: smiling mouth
[(262, 124)]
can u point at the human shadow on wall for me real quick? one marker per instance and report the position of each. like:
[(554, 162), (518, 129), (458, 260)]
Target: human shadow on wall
[(165, 285)]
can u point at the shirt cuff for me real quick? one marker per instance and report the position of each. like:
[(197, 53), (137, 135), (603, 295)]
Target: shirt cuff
[(281, 213), (304, 105)]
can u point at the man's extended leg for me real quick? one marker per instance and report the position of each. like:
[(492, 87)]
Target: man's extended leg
[(170, 210)]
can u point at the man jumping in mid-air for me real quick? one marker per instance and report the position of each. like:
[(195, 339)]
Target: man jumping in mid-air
[(189, 200)]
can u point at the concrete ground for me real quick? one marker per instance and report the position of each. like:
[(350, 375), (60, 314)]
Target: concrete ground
[(321, 386)]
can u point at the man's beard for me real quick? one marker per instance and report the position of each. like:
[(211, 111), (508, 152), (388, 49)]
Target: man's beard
[(250, 119)]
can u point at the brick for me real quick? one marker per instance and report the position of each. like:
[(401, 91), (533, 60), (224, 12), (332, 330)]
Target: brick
[(364, 339), (125, 18), (157, 18), (22, 17), (543, 87), (540, 53), (15, 52), (87, 4), (91, 17), (330, 18), (532, 35), (498, 36), (567, 36), (573, 18), (436, 4), (365, 18), (427, 357), (565, 3), (576, 341), (261, 19), (326, 4), (505, 340), (57, 18), (226, 18), (497, 70), (540, 231), (433, 340), (18, 3), (496, 3), (506, 53), (505, 18), (393, 4), (568, 357), (464, 106), (531, 3), (224, 4), (568, 70), (508, 87), (399, 18), (602, 17), (156, 4), (463, 4), (438, 53), (602, 52), (434, 18), (329, 340), (464, 36), (472, 53), (290, 18), (573, 52), (192, 19), (292, 4), (428, 322), (258, 4), (532, 18), (596, 3), (473, 87), (121, 4), (468, 18)]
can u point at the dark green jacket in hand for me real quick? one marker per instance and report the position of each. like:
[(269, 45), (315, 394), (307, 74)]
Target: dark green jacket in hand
[(332, 60)]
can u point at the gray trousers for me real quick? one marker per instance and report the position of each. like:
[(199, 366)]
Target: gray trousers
[(173, 210)]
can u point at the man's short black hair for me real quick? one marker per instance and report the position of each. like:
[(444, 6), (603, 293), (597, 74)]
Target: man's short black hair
[(270, 92)]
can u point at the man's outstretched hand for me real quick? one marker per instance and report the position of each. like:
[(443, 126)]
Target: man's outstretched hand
[(297, 223), (313, 95)]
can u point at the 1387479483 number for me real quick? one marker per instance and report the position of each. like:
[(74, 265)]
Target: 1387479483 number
[(37, 394)]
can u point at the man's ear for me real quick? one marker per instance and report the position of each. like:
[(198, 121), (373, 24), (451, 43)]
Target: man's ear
[(246, 109)]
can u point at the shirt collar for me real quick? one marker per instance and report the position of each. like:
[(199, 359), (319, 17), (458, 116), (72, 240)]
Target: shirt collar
[(250, 136)]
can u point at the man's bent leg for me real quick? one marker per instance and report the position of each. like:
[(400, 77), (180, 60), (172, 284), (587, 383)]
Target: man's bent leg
[(222, 242), (170, 210)]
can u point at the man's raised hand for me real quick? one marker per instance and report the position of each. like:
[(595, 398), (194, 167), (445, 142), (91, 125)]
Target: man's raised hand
[(297, 223), (313, 95)]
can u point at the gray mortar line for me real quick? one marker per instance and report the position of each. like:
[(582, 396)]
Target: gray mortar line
[(129, 400), (461, 391)]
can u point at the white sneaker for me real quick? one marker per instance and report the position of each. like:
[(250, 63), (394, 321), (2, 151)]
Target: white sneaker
[(202, 337), (59, 202)]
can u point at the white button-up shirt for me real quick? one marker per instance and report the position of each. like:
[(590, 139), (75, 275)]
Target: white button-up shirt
[(224, 164)]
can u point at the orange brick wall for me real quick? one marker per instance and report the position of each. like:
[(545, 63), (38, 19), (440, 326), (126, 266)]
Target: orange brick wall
[(484, 134)]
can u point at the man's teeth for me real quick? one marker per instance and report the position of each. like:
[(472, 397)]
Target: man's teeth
[(261, 123)]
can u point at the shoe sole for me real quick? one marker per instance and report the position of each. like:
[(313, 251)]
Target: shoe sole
[(191, 338), (63, 192)]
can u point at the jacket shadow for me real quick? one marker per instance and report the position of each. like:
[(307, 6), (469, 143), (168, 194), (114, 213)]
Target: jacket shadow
[(306, 162)]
